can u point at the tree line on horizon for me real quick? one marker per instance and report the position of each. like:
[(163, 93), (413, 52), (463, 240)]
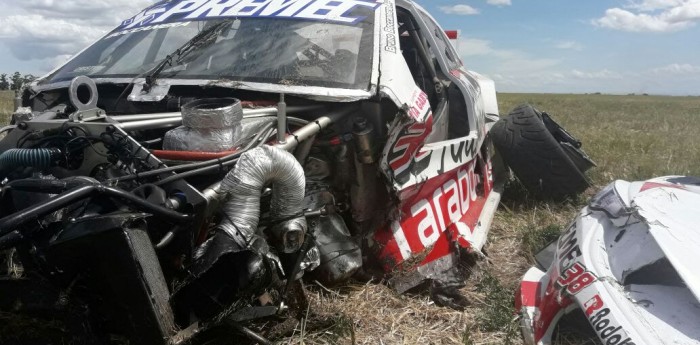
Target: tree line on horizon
[(15, 81)]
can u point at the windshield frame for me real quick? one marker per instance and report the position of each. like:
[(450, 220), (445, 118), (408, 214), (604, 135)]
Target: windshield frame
[(321, 92)]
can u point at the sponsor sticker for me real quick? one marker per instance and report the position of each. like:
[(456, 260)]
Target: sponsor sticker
[(390, 29), (337, 11), (568, 250), (608, 331), (146, 28)]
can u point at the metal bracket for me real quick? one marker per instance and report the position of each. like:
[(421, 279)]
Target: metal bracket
[(87, 115)]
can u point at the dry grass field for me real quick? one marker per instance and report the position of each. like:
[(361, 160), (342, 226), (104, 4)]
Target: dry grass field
[(630, 137)]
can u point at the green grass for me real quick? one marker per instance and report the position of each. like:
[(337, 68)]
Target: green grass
[(534, 239), (630, 137), (6, 106), (499, 315)]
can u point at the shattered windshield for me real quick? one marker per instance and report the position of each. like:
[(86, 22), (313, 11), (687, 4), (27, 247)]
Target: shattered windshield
[(297, 49)]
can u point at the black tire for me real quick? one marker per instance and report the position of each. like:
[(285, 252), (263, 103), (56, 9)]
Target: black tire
[(538, 159)]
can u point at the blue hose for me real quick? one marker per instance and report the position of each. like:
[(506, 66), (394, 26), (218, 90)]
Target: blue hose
[(34, 158)]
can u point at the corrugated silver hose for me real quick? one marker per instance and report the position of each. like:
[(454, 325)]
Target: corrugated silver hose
[(244, 184)]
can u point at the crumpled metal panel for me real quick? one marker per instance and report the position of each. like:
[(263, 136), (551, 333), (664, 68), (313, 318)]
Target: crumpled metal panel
[(339, 255), (23, 114), (627, 262), (155, 93)]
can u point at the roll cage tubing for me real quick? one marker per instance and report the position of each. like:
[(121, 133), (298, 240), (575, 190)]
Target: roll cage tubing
[(414, 31)]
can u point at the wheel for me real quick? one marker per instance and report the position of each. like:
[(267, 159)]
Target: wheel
[(544, 157)]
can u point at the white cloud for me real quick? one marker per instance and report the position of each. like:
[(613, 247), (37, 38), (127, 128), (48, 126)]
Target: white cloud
[(677, 69), (49, 64), (652, 16), (499, 2), (461, 9), (481, 54), (653, 5), (48, 30), (569, 45), (474, 47), (518, 71), (623, 20), (30, 37), (97, 12), (604, 74)]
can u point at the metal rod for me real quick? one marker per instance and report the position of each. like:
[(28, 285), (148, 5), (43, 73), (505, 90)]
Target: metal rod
[(270, 111), (156, 116), (248, 333), (413, 30), (205, 170), (314, 128), (213, 193), (302, 152), (11, 222), (178, 168), (151, 124), (141, 117), (259, 112), (282, 120), (248, 113)]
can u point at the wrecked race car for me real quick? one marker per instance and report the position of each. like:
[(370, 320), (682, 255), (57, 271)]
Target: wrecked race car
[(187, 170), (624, 272)]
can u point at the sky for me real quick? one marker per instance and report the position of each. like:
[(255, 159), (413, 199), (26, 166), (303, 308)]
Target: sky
[(551, 46)]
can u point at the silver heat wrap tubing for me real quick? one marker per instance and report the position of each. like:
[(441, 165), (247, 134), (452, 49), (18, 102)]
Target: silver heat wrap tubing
[(212, 113), (209, 125), (256, 169), (202, 140)]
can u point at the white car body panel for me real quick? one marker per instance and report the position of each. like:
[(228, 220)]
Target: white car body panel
[(643, 226)]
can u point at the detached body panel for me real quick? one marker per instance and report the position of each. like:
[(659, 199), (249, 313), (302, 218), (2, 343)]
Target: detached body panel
[(625, 265)]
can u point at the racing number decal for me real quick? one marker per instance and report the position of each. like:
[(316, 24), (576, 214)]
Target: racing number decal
[(575, 279)]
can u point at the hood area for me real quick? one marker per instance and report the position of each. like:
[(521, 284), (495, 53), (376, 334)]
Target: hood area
[(643, 241)]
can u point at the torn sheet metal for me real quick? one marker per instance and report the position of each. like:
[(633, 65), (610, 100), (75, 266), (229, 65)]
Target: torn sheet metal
[(408, 160), (627, 264), (444, 190), (154, 93), (672, 216), (433, 219)]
